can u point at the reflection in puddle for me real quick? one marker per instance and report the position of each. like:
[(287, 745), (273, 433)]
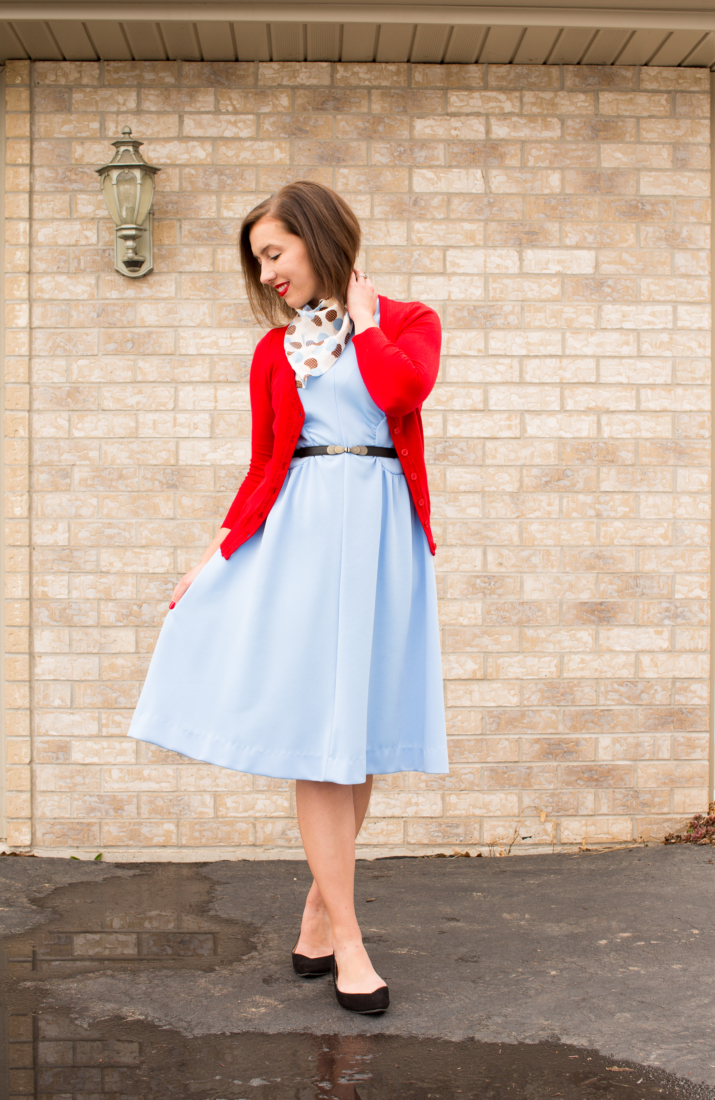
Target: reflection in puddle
[(163, 921), (52, 1058)]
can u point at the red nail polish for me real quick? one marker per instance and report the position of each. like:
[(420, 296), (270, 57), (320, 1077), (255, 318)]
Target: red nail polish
[(172, 604)]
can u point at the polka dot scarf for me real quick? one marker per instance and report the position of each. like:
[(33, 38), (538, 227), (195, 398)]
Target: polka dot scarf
[(315, 339)]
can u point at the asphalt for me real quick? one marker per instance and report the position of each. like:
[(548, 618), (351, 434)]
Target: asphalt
[(609, 953)]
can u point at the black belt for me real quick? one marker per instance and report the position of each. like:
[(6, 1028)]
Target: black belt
[(336, 449)]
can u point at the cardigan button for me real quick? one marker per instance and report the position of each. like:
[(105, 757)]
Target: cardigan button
[(395, 431), (421, 503), (413, 477), (404, 451)]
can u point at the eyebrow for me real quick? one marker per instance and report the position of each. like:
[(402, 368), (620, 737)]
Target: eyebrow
[(264, 249)]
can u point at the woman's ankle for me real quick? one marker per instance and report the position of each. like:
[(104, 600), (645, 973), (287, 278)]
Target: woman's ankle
[(315, 916), (350, 945), (314, 900)]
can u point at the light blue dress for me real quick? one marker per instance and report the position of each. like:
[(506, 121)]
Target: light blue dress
[(312, 652)]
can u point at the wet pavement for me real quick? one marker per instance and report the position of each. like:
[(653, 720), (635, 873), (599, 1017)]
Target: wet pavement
[(568, 976)]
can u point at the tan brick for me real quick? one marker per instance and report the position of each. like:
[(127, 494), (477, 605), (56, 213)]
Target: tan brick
[(674, 183), (674, 130), (139, 833), (139, 779), (66, 834), (197, 833), (176, 805), (634, 103), (598, 830), (372, 75), (556, 155), (689, 104), (104, 805), (19, 833)]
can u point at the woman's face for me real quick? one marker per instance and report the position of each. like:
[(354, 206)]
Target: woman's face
[(284, 263)]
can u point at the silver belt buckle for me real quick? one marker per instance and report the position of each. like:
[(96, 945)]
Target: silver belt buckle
[(358, 450), (335, 449)]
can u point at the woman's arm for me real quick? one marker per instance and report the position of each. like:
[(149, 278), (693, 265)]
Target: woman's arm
[(262, 438), (193, 573), (261, 451), (400, 375)]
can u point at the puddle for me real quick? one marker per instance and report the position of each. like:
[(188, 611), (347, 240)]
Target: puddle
[(52, 1058), (162, 920)]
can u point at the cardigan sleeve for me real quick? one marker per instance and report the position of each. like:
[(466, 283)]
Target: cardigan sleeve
[(262, 437), (400, 375)]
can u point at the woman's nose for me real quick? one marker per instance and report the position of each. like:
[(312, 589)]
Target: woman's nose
[(267, 275)]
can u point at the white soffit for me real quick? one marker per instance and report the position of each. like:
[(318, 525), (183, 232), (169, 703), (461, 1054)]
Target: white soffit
[(642, 47), (652, 32), (572, 45), (288, 42), (144, 40), (216, 41), (703, 56), (109, 40), (430, 42), (677, 47), (322, 42), (181, 41), (501, 44), (465, 44), (10, 45), (359, 41), (606, 46), (253, 41), (72, 38), (536, 45), (393, 42), (37, 39)]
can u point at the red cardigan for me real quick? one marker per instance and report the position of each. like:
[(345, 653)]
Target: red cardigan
[(398, 361)]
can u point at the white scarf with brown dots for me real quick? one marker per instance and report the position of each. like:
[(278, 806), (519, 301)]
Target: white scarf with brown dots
[(315, 339)]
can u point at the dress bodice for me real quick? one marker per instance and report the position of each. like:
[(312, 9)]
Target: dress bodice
[(339, 409)]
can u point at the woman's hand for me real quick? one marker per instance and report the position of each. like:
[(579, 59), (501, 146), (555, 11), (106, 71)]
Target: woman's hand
[(190, 577), (184, 583), (361, 301)]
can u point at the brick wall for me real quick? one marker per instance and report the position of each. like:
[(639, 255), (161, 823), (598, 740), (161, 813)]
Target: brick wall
[(558, 219)]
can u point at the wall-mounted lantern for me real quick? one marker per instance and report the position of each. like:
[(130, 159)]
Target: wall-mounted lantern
[(128, 186)]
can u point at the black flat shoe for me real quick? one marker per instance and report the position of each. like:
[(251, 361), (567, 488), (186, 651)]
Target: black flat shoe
[(311, 968), (367, 1004)]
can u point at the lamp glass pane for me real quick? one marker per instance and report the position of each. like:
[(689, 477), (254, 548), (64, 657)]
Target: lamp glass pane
[(127, 197), (145, 196), (110, 197)]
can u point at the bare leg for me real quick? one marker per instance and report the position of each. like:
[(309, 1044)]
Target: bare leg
[(361, 801), (316, 937), (326, 815)]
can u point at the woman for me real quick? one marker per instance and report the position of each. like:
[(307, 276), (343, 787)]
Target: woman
[(308, 648)]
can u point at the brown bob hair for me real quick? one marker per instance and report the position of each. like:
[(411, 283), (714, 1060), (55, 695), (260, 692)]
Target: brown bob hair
[(328, 228)]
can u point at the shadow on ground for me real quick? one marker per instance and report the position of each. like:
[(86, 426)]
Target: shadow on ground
[(556, 976)]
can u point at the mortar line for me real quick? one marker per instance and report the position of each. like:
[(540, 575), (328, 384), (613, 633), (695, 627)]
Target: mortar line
[(3, 732), (711, 784)]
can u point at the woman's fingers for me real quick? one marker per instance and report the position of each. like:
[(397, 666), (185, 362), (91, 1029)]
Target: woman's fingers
[(179, 591), (361, 293)]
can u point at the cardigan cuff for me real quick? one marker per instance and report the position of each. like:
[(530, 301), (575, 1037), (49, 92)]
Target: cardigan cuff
[(373, 335)]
